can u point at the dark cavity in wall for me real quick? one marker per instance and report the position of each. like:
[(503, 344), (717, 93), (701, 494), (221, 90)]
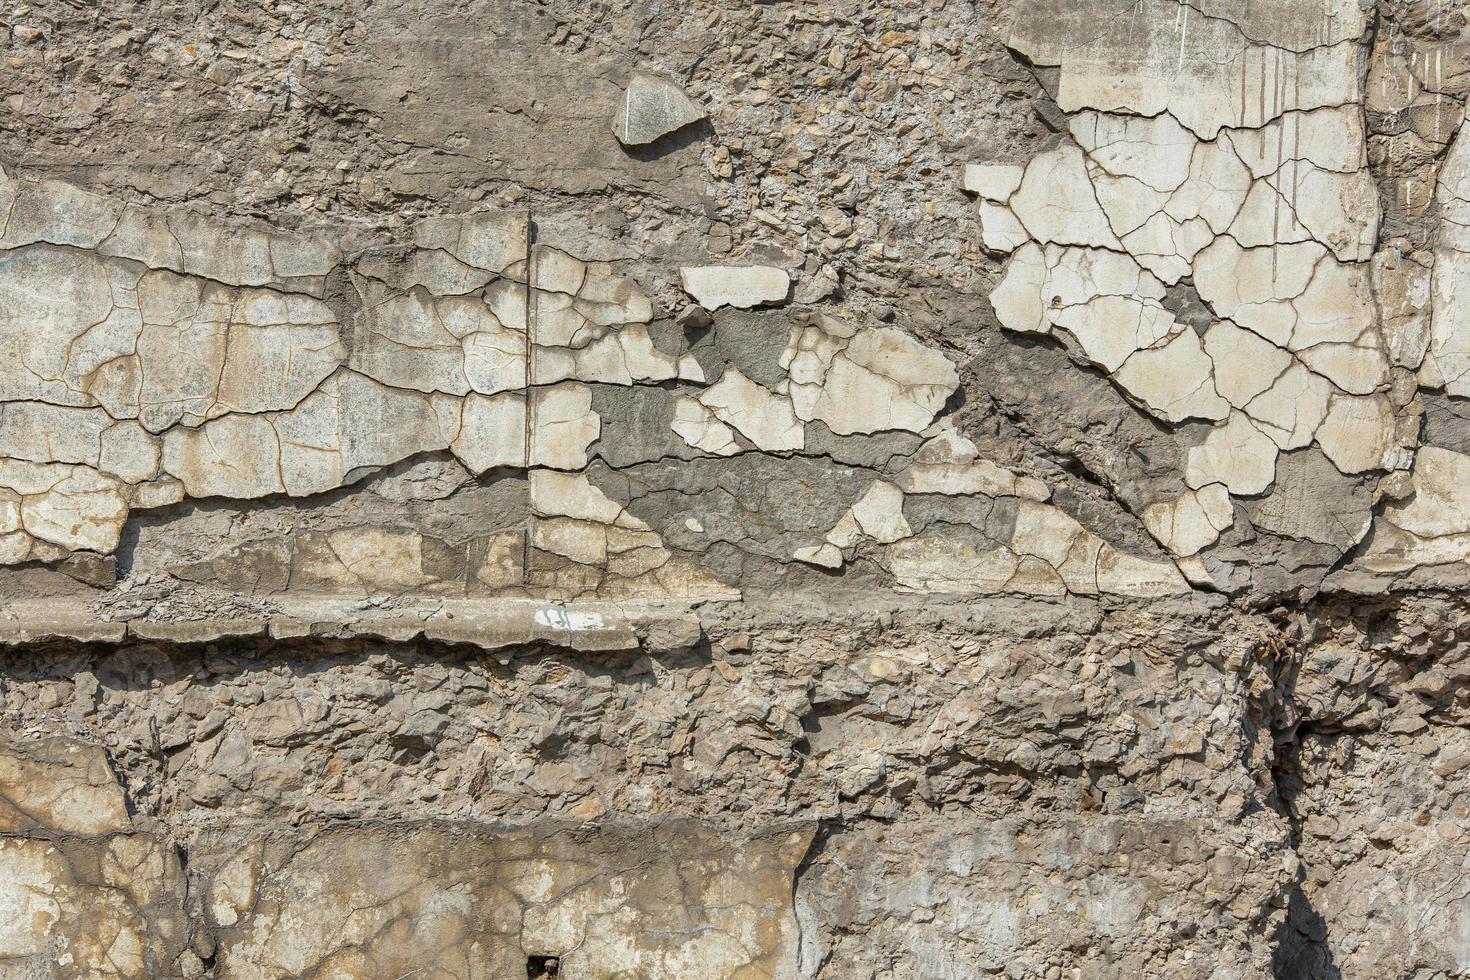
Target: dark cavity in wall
[(543, 967)]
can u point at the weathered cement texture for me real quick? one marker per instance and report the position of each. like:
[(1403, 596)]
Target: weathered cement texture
[(86, 896), (841, 489)]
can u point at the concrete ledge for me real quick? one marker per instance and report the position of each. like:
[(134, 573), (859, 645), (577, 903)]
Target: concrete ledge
[(490, 624)]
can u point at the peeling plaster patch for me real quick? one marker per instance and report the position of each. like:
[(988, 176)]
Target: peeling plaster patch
[(763, 417), (1247, 177), (1192, 521), (152, 382), (1432, 526), (865, 381), (1117, 60)]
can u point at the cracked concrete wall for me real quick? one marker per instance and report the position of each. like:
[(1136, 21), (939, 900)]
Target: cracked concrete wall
[(831, 490)]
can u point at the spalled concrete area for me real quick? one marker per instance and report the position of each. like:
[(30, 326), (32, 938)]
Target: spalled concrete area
[(832, 490)]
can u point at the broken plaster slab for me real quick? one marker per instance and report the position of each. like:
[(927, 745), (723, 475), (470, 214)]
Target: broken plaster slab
[(994, 182), (740, 286), (865, 381), (1056, 202), (951, 465), (467, 346), (653, 107), (698, 427), (762, 416), (1048, 553), (1191, 522), (1447, 364), (1432, 525), (1266, 204)]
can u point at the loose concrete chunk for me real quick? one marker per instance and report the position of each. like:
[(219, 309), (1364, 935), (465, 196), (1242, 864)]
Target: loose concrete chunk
[(624, 357), (1402, 284), (236, 456), (109, 907), (1331, 138), (1112, 329), (740, 286), (557, 494), (44, 433), (1292, 409), (129, 452), (577, 303), (490, 241), (59, 322), (653, 107), (58, 213), (1048, 553), (1042, 283), (479, 899), (1255, 288), (1000, 232)]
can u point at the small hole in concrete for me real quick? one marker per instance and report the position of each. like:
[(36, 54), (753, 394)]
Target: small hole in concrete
[(543, 967)]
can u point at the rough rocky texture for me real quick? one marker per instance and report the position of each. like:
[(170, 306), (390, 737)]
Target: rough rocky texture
[(843, 489)]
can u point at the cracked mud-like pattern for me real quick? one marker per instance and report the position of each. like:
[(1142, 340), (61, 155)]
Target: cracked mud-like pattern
[(150, 368)]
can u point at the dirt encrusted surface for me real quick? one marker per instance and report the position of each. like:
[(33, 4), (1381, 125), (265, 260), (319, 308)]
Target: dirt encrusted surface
[(822, 489)]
